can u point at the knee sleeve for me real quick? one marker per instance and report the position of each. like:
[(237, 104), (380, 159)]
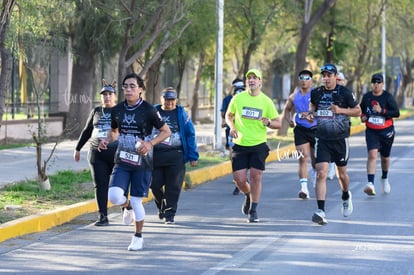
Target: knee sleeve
[(136, 203), (116, 196)]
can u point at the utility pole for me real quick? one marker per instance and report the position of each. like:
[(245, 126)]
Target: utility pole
[(219, 76)]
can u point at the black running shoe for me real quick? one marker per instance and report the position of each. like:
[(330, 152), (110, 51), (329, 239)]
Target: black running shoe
[(102, 221), (246, 205), (253, 217), (236, 191), (169, 220)]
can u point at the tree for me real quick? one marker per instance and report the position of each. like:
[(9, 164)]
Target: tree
[(310, 19), (5, 54), (149, 30), (40, 79), (92, 34), (251, 20)]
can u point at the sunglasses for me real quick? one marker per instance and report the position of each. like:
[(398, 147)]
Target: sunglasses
[(305, 77), (376, 81), (328, 68)]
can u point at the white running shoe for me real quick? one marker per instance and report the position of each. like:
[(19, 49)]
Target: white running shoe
[(369, 189), (304, 193), (128, 216), (347, 206), (136, 244), (319, 217), (386, 187), (331, 171)]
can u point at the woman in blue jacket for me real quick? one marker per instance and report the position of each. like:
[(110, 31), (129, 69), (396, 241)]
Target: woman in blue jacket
[(171, 155)]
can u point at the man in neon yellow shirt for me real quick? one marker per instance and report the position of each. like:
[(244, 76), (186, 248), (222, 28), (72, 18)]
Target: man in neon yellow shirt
[(248, 115)]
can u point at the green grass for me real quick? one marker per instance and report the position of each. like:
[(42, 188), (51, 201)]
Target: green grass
[(68, 187)]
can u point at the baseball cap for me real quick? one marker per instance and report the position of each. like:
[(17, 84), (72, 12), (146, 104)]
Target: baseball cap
[(256, 72), (330, 68), (306, 72), (108, 88), (169, 93), (377, 78), (238, 83)]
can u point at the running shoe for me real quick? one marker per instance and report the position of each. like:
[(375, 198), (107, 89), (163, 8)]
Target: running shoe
[(319, 217), (136, 244), (304, 193), (369, 189), (102, 220), (246, 205), (236, 191), (347, 206), (128, 215), (253, 217), (169, 220), (386, 187)]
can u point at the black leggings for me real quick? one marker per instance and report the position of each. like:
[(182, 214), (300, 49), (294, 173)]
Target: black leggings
[(169, 171), (101, 164)]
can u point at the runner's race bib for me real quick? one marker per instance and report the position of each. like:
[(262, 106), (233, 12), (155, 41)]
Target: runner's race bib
[(251, 113), (131, 158), (324, 113), (376, 120)]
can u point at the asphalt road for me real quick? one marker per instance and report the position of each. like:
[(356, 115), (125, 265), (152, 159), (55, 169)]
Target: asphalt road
[(211, 235)]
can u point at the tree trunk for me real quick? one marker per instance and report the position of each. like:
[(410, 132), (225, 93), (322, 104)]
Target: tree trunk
[(5, 75), (194, 106), (6, 58), (181, 62), (81, 96), (306, 31), (153, 88)]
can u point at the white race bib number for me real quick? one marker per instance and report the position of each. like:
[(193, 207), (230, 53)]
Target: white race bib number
[(251, 113), (324, 113), (376, 120), (129, 157)]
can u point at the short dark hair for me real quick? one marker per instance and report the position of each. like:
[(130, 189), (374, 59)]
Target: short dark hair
[(140, 81), (305, 72)]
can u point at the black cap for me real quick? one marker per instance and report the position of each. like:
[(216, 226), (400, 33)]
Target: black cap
[(330, 68), (108, 88), (377, 78), (306, 72), (238, 83)]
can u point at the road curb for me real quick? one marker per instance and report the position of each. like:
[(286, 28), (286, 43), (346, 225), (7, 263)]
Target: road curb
[(49, 219)]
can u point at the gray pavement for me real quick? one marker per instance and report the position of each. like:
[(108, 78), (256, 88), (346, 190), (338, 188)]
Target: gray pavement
[(212, 237)]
